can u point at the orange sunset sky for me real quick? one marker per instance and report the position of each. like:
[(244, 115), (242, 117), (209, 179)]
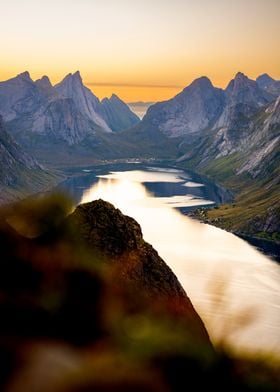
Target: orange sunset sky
[(140, 49)]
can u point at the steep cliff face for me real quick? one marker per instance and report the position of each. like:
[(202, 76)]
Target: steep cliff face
[(69, 112), (85, 101), (192, 111), (204, 116), (63, 121), (262, 144)]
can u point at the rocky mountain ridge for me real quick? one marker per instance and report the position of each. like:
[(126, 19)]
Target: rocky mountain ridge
[(201, 107), (69, 111), (193, 110), (269, 84)]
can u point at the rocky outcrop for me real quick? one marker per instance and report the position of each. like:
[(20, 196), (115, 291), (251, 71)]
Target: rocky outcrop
[(108, 232), (114, 298)]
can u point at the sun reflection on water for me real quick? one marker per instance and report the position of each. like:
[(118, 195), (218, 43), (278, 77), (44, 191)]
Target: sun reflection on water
[(199, 254)]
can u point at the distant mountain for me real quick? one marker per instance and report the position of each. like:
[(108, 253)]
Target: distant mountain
[(117, 114), (20, 174), (21, 96), (85, 101), (269, 84), (254, 173), (250, 167), (232, 135), (37, 112), (201, 107), (244, 97), (195, 109), (202, 111)]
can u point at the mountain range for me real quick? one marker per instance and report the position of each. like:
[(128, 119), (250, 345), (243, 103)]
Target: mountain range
[(230, 134), (67, 112), (233, 136)]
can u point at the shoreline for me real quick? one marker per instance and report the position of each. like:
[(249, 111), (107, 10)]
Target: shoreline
[(267, 246)]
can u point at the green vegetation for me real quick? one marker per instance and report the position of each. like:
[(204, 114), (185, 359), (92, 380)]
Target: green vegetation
[(256, 207), (223, 168), (29, 182)]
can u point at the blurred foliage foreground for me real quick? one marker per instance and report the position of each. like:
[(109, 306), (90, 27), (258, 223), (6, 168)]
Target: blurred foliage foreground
[(87, 305)]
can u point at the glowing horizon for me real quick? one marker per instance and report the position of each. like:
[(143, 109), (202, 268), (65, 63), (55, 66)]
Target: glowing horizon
[(140, 50), (131, 92)]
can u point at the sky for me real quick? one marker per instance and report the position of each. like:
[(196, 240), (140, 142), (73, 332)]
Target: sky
[(142, 50)]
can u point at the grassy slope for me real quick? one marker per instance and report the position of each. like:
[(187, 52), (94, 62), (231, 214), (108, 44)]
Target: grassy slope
[(256, 200), (256, 208), (30, 182)]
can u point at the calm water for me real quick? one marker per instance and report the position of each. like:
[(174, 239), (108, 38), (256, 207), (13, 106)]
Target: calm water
[(234, 287)]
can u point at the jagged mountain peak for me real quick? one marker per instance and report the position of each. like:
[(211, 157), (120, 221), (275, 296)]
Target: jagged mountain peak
[(115, 97), (118, 114), (44, 82), (240, 81), (198, 85), (71, 79), (268, 84), (203, 82), (244, 90), (24, 76), (264, 78), (244, 97), (77, 74), (86, 102), (193, 110), (68, 111), (241, 76)]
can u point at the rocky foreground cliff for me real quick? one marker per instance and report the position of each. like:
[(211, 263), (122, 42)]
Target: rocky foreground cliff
[(87, 305), (119, 238)]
